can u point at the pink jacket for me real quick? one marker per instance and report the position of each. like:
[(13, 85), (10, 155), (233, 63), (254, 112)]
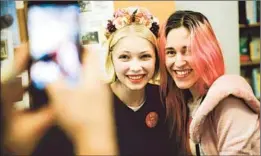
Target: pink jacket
[(226, 124)]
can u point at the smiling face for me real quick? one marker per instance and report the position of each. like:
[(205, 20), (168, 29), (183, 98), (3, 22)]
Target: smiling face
[(178, 58), (134, 61)]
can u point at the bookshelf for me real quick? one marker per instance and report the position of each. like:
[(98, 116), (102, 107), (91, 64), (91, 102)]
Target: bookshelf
[(249, 39), (254, 25), (250, 63)]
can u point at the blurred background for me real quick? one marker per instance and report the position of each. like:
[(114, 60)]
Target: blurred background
[(236, 23)]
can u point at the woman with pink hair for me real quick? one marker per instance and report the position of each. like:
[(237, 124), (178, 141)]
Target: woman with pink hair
[(210, 113)]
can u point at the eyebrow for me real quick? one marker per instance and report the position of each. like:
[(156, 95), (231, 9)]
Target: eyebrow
[(139, 52), (171, 48)]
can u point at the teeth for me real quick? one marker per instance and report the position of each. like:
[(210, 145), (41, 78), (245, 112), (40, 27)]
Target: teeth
[(182, 73), (135, 77)]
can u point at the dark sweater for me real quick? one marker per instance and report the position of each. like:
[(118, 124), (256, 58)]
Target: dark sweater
[(135, 137)]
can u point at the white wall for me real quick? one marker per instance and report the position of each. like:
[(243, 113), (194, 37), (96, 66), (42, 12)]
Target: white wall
[(223, 16)]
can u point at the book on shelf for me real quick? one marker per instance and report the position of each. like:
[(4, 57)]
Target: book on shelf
[(258, 10), (254, 48), (252, 11), (256, 81), (244, 50)]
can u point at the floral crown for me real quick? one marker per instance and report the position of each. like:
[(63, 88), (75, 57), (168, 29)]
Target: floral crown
[(127, 16)]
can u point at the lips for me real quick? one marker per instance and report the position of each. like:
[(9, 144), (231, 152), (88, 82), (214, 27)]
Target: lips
[(136, 78), (182, 73)]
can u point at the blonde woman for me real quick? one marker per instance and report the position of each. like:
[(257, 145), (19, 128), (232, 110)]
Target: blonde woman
[(131, 63)]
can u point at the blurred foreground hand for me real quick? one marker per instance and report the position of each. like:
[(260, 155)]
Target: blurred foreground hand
[(22, 129), (85, 110)]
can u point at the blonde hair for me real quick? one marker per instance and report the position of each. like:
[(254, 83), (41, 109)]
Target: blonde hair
[(133, 29)]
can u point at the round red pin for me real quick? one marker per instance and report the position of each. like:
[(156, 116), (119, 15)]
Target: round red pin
[(152, 119)]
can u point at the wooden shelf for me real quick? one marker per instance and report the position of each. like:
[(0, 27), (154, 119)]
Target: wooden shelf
[(250, 63), (256, 25)]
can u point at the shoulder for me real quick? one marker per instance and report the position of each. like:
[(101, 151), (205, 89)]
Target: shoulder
[(233, 107), (232, 103), (236, 126)]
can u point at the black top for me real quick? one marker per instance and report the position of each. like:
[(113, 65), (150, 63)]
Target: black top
[(136, 136)]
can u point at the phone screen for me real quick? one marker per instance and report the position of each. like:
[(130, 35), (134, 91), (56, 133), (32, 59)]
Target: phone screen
[(54, 40), (53, 29)]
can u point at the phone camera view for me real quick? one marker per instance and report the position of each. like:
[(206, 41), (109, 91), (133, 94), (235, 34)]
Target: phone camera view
[(54, 43)]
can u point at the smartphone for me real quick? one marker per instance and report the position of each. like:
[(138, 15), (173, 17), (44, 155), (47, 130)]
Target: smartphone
[(53, 30)]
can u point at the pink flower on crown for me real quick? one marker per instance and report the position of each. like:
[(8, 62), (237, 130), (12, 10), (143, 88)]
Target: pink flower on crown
[(120, 13), (122, 21), (142, 16), (141, 19), (126, 16), (145, 13)]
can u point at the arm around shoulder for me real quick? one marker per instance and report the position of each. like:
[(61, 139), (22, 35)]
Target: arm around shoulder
[(237, 127)]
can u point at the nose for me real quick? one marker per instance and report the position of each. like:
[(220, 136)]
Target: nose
[(180, 60), (135, 66)]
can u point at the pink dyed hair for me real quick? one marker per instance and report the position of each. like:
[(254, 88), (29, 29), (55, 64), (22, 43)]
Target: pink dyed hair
[(207, 62), (208, 59)]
